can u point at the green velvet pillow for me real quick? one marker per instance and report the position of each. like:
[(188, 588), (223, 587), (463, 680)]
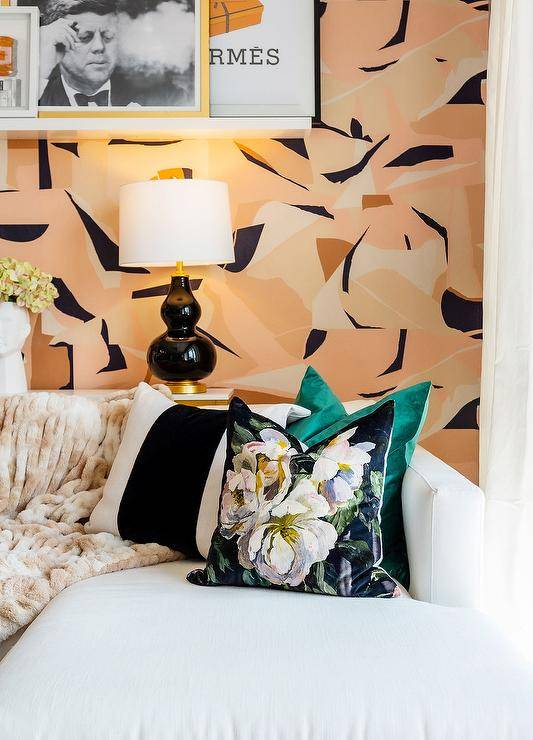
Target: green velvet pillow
[(328, 416)]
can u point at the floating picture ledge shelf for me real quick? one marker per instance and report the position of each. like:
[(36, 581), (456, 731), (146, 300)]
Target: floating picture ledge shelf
[(61, 129)]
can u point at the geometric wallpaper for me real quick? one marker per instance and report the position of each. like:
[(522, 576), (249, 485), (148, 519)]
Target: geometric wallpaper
[(358, 248)]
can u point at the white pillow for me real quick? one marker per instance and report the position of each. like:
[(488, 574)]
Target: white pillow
[(148, 405), (155, 513)]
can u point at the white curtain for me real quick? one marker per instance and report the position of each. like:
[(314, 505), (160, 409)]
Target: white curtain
[(506, 423)]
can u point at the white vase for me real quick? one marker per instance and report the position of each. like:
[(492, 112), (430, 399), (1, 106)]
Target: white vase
[(14, 328)]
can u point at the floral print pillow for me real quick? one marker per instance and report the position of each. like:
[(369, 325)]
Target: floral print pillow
[(301, 519)]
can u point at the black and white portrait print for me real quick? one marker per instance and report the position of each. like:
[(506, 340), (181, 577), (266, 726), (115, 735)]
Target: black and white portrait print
[(119, 54)]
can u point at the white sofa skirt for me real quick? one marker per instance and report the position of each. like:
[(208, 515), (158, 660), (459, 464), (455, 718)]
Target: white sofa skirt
[(144, 655)]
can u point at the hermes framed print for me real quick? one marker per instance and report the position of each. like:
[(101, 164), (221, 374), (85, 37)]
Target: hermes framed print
[(19, 62), (263, 57), (123, 57)]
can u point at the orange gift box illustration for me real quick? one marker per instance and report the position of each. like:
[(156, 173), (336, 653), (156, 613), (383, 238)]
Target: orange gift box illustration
[(233, 14)]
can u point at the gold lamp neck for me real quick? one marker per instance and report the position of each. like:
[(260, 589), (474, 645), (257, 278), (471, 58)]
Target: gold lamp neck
[(180, 272)]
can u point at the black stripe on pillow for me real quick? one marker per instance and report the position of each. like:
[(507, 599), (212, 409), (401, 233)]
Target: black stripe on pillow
[(162, 497)]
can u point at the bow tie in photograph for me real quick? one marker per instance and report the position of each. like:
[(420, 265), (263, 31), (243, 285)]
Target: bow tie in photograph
[(101, 98)]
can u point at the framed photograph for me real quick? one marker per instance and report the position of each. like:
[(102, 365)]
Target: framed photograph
[(19, 62), (123, 57), (263, 57)]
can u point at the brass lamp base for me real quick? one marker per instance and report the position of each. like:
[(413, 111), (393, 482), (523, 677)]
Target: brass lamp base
[(183, 386), (187, 386)]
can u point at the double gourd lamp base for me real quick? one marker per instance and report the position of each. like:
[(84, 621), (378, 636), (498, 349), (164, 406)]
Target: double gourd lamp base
[(181, 222)]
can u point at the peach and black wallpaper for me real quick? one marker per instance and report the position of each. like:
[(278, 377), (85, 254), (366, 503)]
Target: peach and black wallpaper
[(358, 247)]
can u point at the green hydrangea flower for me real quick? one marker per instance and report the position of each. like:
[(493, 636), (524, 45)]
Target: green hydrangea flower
[(26, 285)]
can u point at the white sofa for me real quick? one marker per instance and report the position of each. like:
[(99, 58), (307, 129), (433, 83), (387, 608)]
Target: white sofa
[(144, 655)]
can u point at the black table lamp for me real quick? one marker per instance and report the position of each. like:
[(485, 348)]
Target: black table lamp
[(177, 222)]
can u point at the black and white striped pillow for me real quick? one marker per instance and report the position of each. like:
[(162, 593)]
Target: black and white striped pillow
[(165, 481)]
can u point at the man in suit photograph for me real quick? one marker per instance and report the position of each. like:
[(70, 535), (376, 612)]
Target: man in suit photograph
[(84, 64), (79, 53)]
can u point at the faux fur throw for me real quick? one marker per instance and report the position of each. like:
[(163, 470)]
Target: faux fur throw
[(55, 454)]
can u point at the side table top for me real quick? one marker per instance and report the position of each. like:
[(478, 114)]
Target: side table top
[(211, 396)]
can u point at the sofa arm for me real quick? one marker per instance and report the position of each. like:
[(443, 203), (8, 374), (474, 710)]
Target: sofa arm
[(443, 518)]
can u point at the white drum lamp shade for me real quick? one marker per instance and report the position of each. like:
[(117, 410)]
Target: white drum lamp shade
[(165, 221)]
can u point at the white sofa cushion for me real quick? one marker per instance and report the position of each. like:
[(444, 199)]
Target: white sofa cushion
[(143, 654)]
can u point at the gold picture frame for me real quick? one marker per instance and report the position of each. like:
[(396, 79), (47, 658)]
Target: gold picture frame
[(201, 86)]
